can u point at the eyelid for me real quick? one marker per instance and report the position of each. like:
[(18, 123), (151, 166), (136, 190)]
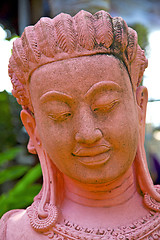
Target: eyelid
[(106, 105), (60, 116)]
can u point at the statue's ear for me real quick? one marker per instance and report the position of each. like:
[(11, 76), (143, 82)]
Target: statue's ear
[(28, 122), (30, 126), (142, 99)]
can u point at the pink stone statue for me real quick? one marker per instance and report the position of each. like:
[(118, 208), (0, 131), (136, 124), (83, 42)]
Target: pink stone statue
[(78, 81)]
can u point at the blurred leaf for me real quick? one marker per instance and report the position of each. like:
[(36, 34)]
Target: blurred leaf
[(142, 34), (13, 200), (31, 176), (21, 187), (3, 204), (9, 154), (12, 173), (25, 197), (22, 194), (7, 135)]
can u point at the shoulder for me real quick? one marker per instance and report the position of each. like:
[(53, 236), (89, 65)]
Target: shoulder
[(4, 223), (15, 225)]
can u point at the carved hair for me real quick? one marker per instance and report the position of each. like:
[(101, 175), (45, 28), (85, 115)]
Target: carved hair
[(66, 37)]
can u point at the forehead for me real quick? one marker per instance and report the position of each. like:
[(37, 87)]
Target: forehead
[(78, 75)]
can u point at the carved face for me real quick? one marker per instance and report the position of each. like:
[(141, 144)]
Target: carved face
[(86, 116)]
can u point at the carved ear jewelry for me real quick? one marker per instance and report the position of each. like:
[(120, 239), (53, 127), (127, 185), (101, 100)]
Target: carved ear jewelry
[(152, 203), (39, 223)]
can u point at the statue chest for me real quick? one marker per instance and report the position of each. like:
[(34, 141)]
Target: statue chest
[(145, 228)]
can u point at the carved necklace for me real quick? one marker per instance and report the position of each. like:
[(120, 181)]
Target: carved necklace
[(147, 227), (144, 228)]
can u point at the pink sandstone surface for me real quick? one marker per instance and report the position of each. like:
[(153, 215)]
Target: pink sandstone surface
[(78, 81)]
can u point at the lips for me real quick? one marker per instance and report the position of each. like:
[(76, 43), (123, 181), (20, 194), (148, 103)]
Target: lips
[(93, 156), (91, 151)]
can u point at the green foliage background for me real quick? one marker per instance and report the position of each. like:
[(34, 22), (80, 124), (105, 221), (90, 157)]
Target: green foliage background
[(19, 180)]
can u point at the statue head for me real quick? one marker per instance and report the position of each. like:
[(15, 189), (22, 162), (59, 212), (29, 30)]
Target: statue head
[(78, 81)]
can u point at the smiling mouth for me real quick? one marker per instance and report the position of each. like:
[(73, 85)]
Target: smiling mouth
[(93, 156)]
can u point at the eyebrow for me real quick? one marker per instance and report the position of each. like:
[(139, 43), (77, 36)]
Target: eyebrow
[(55, 95), (104, 85)]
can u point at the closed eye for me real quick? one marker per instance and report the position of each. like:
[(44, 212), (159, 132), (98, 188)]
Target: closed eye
[(60, 117), (105, 107)]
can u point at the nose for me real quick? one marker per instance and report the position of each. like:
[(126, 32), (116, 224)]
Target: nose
[(87, 132)]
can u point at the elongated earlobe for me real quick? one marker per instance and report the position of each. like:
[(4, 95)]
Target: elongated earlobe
[(30, 126), (142, 99), (143, 175), (31, 147)]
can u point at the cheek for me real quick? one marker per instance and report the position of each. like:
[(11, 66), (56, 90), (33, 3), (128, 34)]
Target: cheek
[(127, 138), (121, 130), (56, 138)]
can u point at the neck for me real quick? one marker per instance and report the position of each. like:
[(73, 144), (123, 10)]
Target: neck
[(101, 195)]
